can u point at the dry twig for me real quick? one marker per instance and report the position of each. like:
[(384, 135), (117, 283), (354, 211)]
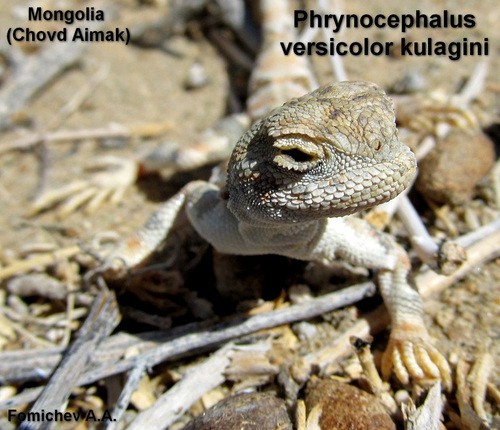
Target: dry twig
[(20, 266), (102, 319), (113, 131), (485, 249), (377, 386), (201, 339), (196, 382), (133, 380)]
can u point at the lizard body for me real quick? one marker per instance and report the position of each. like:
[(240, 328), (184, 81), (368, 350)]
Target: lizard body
[(292, 178)]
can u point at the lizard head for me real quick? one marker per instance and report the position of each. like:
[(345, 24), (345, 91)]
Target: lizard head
[(332, 152)]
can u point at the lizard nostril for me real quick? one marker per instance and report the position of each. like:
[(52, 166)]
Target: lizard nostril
[(378, 146)]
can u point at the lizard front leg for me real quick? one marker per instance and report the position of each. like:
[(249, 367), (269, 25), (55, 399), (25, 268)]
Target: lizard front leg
[(136, 248), (207, 211), (410, 353)]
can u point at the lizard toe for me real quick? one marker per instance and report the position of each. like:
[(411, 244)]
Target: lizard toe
[(415, 359)]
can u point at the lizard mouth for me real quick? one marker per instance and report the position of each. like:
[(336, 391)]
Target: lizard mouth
[(296, 153)]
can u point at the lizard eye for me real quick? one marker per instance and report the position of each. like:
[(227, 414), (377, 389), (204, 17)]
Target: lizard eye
[(295, 159), (297, 153)]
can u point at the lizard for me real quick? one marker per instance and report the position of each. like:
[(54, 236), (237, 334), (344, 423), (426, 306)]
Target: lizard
[(293, 178)]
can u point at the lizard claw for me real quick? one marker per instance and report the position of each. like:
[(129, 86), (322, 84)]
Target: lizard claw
[(414, 357), (110, 179), (110, 269)]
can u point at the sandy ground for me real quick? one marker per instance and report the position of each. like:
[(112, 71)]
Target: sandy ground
[(147, 86)]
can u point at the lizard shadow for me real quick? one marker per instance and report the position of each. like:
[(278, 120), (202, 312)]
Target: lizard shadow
[(159, 188)]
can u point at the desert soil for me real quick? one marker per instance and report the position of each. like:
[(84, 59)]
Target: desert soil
[(147, 86)]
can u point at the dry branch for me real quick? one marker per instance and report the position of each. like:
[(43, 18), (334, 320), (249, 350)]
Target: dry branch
[(111, 132), (102, 319), (430, 282), (197, 381), (201, 339), (20, 266), (134, 378)]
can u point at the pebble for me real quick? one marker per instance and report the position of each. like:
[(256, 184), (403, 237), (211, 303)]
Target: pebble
[(197, 77), (250, 411), (451, 171), (345, 407)]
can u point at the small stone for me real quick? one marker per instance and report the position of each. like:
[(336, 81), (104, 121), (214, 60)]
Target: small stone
[(345, 407), (197, 77), (299, 293), (451, 171), (305, 330), (450, 257), (402, 397), (254, 411)]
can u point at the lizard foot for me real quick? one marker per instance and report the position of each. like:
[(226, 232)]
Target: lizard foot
[(410, 355), (111, 176), (433, 110)]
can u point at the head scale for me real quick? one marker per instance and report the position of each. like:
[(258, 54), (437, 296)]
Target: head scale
[(332, 152)]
